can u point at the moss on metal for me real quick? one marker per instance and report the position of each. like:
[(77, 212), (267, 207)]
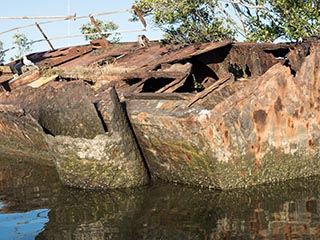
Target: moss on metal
[(275, 166), (186, 164), (189, 165), (99, 163), (88, 174)]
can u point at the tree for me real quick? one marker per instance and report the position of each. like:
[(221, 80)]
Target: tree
[(289, 19), (105, 27), (187, 20), (214, 20), (22, 44)]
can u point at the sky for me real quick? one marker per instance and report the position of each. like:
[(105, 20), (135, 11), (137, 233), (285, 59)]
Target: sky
[(65, 28)]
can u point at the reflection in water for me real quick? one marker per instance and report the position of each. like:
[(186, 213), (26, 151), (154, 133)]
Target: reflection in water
[(23, 225), (26, 191), (159, 211)]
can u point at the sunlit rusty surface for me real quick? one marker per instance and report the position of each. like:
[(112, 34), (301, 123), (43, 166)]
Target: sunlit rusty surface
[(24, 79), (5, 73), (220, 115), (249, 131), (210, 61)]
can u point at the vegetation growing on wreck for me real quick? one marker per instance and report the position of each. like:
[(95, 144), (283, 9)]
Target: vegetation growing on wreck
[(208, 20), (22, 44), (104, 26)]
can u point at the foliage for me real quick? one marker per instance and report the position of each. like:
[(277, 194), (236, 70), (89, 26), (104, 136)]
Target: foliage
[(214, 20), (105, 26), (22, 44), (187, 20), (288, 19)]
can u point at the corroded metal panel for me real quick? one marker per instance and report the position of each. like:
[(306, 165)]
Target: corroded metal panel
[(267, 131)]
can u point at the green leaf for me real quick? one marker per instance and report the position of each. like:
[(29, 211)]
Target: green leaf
[(209, 20), (104, 26)]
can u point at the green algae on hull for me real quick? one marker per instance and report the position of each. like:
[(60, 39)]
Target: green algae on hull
[(89, 174), (180, 162), (99, 163), (274, 167)]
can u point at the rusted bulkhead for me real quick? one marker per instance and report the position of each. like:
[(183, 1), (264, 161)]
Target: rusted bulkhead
[(259, 124)]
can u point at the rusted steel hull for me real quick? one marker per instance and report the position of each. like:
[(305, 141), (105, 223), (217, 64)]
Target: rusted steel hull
[(21, 136), (267, 130), (108, 161), (89, 142), (218, 115)]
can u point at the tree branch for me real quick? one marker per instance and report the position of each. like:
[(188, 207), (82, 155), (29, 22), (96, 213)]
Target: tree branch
[(239, 29), (250, 6)]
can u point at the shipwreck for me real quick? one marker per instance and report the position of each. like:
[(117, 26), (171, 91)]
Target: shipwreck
[(218, 115)]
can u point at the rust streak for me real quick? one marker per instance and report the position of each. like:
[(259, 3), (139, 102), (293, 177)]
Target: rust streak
[(278, 105), (260, 117)]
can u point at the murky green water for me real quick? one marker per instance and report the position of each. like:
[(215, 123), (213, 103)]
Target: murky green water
[(34, 205)]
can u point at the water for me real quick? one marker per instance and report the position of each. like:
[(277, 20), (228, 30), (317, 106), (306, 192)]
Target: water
[(34, 205)]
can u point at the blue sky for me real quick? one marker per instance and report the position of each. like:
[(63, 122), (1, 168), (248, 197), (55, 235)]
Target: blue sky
[(64, 28)]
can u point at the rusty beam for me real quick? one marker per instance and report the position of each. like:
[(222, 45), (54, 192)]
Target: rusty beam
[(184, 71), (78, 76), (44, 35), (153, 74), (93, 21), (65, 56), (139, 15), (2, 89), (24, 79), (5, 78), (5, 74), (210, 89), (157, 96), (5, 69), (145, 76), (174, 85), (98, 43), (166, 74)]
